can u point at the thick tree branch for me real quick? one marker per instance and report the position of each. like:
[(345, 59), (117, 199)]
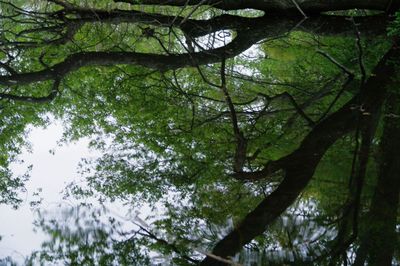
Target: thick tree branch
[(153, 61), (307, 6)]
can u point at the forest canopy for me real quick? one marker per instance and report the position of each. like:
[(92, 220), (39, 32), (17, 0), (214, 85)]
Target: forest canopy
[(259, 132)]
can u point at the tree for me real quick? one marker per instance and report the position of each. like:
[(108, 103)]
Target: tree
[(192, 116)]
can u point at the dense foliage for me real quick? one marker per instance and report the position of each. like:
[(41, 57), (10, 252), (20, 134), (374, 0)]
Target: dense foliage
[(261, 136)]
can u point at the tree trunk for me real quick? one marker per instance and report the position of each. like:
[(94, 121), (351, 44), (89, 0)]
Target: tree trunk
[(300, 165), (378, 242)]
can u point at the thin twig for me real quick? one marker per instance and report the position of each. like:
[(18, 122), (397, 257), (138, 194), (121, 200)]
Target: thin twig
[(299, 110), (360, 54), (299, 8), (218, 258), (335, 62), (349, 79), (241, 141), (8, 68), (193, 10), (151, 235), (228, 99)]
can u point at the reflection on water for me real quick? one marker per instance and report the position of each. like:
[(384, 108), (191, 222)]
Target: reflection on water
[(224, 138)]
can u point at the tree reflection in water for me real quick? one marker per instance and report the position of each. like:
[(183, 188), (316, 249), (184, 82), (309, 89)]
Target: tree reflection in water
[(287, 154)]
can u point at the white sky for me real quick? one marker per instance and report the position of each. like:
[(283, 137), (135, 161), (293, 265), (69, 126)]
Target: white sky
[(51, 173)]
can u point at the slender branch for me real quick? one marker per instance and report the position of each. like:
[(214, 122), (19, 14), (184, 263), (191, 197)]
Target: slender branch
[(334, 61), (165, 243), (220, 259), (8, 68), (297, 107), (228, 100), (342, 90), (241, 141), (299, 8), (32, 99), (360, 53), (193, 10)]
